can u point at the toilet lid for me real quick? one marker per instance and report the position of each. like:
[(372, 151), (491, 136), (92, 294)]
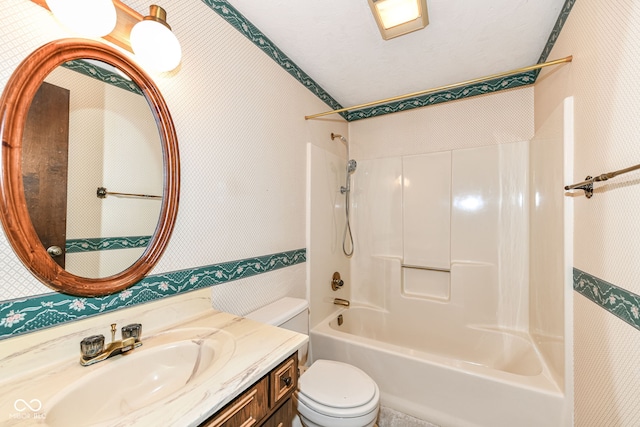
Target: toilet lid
[(337, 385)]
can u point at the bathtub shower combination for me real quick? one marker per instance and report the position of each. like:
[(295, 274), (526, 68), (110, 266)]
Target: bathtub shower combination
[(440, 312), (447, 374)]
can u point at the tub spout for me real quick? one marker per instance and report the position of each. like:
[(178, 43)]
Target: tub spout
[(340, 301)]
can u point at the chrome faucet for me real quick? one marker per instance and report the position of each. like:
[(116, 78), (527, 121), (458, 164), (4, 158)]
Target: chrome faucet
[(92, 349), (340, 301)]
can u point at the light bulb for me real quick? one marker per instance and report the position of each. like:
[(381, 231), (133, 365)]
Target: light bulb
[(155, 46), (89, 18)]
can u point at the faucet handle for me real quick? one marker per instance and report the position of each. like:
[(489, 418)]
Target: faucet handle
[(336, 281), (92, 346), (133, 330)]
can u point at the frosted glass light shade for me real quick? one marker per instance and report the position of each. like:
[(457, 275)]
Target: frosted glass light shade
[(396, 12), (90, 18), (398, 17), (155, 46)]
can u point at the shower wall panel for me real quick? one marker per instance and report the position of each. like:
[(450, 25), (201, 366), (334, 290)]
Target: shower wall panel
[(489, 250), (326, 221), (464, 212), (426, 210), (377, 226)]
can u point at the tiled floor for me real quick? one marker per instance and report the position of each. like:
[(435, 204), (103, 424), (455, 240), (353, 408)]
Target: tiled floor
[(390, 418)]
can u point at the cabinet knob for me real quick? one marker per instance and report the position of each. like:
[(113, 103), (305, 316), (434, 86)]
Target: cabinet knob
[(286, 381)]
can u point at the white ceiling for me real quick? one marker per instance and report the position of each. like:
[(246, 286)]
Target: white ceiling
[(337, 42)]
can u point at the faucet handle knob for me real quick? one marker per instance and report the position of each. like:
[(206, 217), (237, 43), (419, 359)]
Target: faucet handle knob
[(336, 281), (133, 330), (92, 346)]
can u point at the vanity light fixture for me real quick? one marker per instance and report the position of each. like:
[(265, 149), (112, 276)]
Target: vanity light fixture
[(153, 42), (89, 18), (399, 17), (149, 37)]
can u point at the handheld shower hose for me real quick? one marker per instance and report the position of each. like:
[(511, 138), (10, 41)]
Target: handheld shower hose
[(346, 190)]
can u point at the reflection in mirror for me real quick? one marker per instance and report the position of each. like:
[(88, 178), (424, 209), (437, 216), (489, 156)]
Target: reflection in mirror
[(15, 105), (89, 127)]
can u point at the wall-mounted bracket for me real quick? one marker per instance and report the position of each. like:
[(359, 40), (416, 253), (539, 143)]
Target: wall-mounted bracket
[(587, 186)]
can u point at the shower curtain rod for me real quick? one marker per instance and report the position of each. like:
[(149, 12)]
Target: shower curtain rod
[(587, 184), (446, 87)]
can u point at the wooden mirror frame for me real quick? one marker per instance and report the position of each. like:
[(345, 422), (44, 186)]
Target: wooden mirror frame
[(14, 106)]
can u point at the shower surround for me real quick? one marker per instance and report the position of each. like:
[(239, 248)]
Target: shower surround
[(441, 265), (445, 312), (446, 215)]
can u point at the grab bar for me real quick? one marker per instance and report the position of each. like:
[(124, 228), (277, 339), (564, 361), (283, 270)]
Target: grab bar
[(587, 184), (419, 267), (102, 194)]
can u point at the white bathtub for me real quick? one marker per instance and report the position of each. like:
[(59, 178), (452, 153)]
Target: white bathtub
[(445, 374)]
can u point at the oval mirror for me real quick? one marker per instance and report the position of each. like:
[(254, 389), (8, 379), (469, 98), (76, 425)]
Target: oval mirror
[(90, 168)]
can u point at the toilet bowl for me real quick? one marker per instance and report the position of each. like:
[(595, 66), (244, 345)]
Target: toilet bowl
[(336, 394), (330, 393)]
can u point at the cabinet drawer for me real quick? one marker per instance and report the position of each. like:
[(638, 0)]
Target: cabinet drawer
[(246, 410), (284, 379)]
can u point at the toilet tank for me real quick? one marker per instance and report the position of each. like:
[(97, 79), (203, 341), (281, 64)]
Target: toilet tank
[(288, 313)]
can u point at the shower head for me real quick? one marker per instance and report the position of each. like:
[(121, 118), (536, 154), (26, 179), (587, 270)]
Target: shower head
[(351, 166), (337, 135), (343, 139)]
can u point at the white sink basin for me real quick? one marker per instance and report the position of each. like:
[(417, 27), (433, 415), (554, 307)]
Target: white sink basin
[(161, 367)]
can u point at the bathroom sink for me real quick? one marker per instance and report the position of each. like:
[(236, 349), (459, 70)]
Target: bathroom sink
[(165, 364)]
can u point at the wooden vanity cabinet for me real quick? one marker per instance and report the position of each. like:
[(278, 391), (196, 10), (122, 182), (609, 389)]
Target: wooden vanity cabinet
[(266, 403)]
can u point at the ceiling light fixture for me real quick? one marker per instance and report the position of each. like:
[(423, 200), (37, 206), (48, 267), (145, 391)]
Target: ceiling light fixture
[(89, 18), (153, 42), (398, 17)]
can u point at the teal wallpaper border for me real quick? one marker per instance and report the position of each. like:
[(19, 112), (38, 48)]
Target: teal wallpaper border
[(91, 244), (250, 31), (557, 28), (518, 80), (30, 314), (491, 86), (103, 75), (617, 301), (240, 23)]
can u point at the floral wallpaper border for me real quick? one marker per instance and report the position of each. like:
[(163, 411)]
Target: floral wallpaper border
[(244, 26), (617, 301), (496, 85), (557, 28), (491, 86), (106, 243), (84, 67), (43, 311)]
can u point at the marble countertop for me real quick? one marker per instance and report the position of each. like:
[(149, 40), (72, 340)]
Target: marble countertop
[(36, 368)]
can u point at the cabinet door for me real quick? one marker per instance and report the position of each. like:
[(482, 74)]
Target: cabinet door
[(245, 411), (283, 417)]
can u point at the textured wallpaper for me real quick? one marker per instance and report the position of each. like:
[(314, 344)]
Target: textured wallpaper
[(603, 78), (242, 136)]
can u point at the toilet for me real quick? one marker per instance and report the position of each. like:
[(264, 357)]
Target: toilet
[(330, 393)]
